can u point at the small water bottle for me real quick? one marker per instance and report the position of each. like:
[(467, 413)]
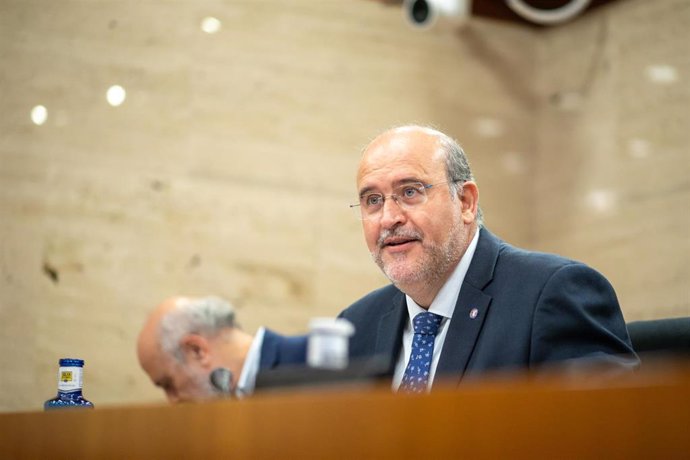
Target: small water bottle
[(70, 383), (328, 343)]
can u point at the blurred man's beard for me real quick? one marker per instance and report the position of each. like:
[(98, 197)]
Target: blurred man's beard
[(204, 388)]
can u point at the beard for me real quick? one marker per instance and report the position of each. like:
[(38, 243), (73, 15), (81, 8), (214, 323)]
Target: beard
[(204, 388), (434, 264), (196, 387)]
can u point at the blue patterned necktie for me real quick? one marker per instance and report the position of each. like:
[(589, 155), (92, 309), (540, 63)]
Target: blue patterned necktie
[(419, 366)]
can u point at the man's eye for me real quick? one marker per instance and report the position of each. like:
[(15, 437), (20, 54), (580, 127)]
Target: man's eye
[(373, 200), (410, 192)]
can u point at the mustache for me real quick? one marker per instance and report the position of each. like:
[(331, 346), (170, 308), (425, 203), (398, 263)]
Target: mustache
[(398, 232)]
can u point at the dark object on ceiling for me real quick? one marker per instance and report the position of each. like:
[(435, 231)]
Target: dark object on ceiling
[(497, 9), (494, 9)]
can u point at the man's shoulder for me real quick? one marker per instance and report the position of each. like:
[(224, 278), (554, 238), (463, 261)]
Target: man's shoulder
[(271, 337), (523, 256), (491, 250), (531, 259), (281, 349), (536, 265)]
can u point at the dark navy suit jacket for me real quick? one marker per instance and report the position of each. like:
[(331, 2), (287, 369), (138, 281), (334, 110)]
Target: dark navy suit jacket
[(532, 309), (278, 350)]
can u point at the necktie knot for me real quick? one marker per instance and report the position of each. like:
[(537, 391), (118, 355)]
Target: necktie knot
[(426, 323)]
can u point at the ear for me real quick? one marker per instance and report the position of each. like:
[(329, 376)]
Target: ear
[(196, 349), (469, 198)]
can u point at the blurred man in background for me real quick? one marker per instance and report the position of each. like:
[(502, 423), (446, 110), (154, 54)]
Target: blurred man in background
[(184, 340), (462, 302)]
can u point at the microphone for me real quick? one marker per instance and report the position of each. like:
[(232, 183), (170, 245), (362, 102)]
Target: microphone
[(221, 380)]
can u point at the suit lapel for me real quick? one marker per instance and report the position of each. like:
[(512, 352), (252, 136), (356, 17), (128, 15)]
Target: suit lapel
[(390, 329), (471, 309), (269, 349), (463, 331)]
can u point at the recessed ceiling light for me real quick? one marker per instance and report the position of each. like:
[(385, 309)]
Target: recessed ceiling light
[(489, 127), (210, 25), (601, 200), (39, 115), (116, 95), (662, 74), (639, 148), (514, 163)]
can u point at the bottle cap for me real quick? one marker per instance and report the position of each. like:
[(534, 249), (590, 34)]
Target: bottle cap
[(331, 326), (328, 342), (71, 362)]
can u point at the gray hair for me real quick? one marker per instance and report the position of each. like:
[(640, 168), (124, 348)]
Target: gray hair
[(457, 168), (206, 316)]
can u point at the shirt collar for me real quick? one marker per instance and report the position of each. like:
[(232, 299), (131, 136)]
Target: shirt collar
[(250, 368)]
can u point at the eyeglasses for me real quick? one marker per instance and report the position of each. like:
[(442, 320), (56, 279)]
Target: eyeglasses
[(407, 196)]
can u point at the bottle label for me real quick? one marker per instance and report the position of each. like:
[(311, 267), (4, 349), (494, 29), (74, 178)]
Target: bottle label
[(70, 379)]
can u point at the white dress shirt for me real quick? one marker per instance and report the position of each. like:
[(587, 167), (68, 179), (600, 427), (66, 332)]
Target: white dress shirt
[(250, 369), (443, 305)]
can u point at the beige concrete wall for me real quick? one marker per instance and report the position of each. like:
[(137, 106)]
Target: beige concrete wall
[(228, 169), (612, 169), (230, 165)]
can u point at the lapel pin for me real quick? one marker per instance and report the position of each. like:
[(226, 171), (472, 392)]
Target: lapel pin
[(473, 313)]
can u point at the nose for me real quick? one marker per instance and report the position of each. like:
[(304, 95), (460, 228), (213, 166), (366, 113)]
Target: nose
[(392, 213)]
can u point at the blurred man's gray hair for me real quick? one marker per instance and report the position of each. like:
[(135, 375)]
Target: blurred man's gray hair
[(205, 316)]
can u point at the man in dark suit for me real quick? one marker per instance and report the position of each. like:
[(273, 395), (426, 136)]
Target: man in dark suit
[(462, 301), (185, 339)]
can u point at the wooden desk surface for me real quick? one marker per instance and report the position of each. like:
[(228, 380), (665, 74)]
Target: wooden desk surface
[(643, 415)]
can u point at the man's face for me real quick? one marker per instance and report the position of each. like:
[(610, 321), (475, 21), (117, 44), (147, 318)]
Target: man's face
[(181, 381), (420, 244)]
